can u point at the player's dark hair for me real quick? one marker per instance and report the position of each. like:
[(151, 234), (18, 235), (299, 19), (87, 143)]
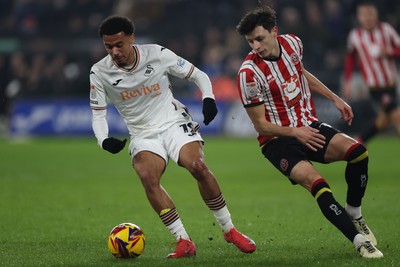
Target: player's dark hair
[(366, 3), (262, 16), (115, 24)]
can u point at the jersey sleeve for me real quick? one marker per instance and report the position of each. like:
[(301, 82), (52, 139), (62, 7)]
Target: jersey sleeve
[(98, 99), (176, 65), (350, 42), (249, 87), (181, 68), (299, 46), (394, 40)]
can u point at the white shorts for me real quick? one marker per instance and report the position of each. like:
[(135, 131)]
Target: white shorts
[(168, 143)]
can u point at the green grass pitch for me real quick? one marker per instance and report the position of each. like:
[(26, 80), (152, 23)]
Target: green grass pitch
[(59, 198)]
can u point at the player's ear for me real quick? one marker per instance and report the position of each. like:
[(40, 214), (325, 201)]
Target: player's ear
[(275, 31), (132, 38)]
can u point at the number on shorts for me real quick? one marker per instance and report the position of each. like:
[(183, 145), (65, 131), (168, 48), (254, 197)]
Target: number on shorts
[(188, 128)]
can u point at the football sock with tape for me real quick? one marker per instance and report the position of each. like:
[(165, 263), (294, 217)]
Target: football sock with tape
[(332, 210), (354, 212), (172, 221), (221, 213), (356, 174)]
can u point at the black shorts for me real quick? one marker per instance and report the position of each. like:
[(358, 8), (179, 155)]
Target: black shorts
[(386, 98), (285, 152)]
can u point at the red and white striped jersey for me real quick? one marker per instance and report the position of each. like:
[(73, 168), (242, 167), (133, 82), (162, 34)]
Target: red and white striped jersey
[(278, 84), (365, 45)]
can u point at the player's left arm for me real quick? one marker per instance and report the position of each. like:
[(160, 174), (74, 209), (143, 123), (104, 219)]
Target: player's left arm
[(393, 50), (317, 86), (183, 69), (202, 80)]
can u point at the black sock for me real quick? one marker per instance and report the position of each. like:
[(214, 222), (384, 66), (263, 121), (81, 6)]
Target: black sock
[(356, 174), (332, 210)]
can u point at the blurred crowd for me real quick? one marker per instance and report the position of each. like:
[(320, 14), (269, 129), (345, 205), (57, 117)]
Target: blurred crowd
[(48, 46)]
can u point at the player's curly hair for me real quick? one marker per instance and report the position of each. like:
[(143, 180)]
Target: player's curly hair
[(262, 16), (115, 24)]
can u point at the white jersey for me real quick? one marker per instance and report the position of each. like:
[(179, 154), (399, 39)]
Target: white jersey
[(142, 94)]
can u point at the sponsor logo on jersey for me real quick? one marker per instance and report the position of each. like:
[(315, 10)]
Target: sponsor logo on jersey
[(117, 82), (291, 90), (138, 92), (270, 78), (149, 71)]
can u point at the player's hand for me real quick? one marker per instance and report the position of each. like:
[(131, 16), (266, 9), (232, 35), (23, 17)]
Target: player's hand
[(310, 137), (113, 145), (209, 110), (346, 112)]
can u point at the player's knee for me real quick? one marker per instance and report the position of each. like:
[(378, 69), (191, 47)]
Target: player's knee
[(356, 153), (149, 179), (199, 168)]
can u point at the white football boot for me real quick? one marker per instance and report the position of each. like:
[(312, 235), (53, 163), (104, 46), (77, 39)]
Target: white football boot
[(367, 250), (363, 229)]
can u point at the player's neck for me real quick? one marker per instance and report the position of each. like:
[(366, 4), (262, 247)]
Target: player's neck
[(131, 58)]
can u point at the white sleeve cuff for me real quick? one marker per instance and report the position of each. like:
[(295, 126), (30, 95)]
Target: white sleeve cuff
[(201, 79)]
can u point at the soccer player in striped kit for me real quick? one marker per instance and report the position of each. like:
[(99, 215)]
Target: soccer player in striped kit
[(276, 92), (135, 78), (374, 45)]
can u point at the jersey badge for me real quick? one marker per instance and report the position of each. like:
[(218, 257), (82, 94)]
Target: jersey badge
[(295, 58), (180, 62), (149, 70), (251, 90), (284, 164), (92, 91)]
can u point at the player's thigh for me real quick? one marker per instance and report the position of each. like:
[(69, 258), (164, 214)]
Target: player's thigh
[(149, 167), (338, 147), (395, 117), (382, 120), (190, 153), (183, 142)]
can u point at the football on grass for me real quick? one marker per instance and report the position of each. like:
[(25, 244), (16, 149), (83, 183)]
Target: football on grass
[(126, 240)]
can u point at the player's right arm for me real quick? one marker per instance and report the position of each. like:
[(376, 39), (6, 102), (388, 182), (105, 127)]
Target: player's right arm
[(251, 96), (98, 105), (306, 135)]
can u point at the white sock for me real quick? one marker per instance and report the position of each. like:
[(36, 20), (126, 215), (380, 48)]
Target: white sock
[(358, 239), (354, 212), (223, 218), (176, 228)]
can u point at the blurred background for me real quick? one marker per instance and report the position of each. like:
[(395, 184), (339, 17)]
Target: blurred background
[(47, 48)]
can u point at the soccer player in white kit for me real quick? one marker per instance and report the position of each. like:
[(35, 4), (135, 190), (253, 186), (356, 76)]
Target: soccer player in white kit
[(135, 79)]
